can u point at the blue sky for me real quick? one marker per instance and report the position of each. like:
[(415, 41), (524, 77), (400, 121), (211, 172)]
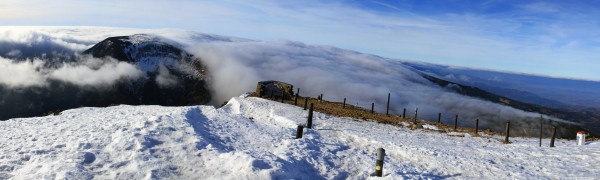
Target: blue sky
[(551, 38)]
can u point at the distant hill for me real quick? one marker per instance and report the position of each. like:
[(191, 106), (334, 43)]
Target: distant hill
[(496, 87)]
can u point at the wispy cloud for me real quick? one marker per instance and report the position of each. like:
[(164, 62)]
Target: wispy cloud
[(540, 7)]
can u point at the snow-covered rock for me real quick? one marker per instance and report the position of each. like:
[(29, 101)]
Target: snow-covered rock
[(251, 138)]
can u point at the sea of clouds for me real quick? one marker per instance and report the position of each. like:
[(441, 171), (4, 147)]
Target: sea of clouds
[(237, 64), (336, 73)]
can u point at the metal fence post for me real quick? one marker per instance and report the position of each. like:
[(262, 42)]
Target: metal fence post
[(455, 122), (553, 136), (541, 129), (372, 108), (310, 117), (507, 132), (387, 111), (476, 126)]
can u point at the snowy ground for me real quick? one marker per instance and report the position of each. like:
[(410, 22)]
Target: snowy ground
[(252, 138)]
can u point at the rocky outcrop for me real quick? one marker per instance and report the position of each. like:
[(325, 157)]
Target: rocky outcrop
[(274, 89)]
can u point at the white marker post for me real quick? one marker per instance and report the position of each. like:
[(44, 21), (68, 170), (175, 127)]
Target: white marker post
[(379, 162), (580, 138)]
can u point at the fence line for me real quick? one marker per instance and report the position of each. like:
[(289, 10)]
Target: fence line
[(526, 131)]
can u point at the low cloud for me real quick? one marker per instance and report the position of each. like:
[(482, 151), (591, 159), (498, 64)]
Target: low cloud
[(31, 38), (165, 79), (89, 72), (21, 74), (109, 72), (362, 79)]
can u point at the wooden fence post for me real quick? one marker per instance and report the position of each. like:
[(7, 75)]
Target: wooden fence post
[(272, 94), (415, 118), (379, 162), (387, 111), (299, 131), (507, 132), (344, 106), (282, 96), (439, 118), (296, 99), (372, 108), (404, 113), (553, 136), (321, 98), (305, 102), (455, 122), (310, 117), (541, 129), (476, 126)]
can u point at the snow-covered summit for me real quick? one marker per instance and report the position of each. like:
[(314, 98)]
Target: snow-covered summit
[(149, 52), (251, 138)]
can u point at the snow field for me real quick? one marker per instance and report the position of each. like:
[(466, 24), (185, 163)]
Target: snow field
[(252, 138)]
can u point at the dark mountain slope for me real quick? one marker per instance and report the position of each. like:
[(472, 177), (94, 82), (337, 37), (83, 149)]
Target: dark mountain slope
[(158, 59), (150, 54)]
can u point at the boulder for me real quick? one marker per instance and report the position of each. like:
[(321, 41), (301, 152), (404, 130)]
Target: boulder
[(274, 89)]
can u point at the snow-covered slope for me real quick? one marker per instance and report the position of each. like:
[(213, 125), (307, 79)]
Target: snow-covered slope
[(252, 138)]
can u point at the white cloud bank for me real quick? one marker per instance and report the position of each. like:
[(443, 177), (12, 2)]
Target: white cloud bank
[(21, 74), (165, 78), (93, 72), (338, 74), (106, 73)]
